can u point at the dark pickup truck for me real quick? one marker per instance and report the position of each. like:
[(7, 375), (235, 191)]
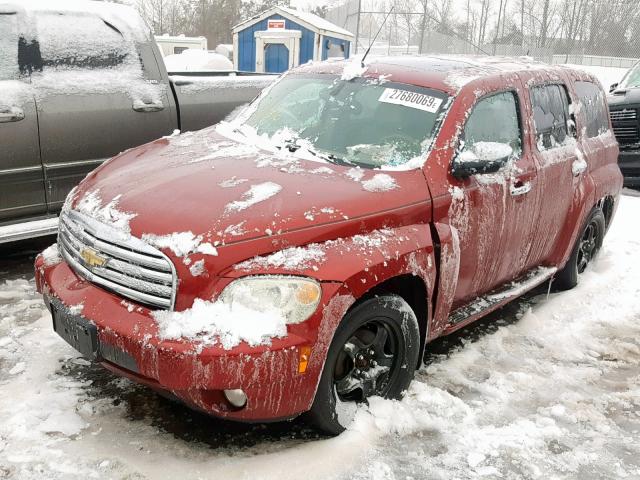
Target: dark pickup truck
[(79, 83), (624, 106)]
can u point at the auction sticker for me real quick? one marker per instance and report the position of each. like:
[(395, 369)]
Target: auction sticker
[(410, 99)]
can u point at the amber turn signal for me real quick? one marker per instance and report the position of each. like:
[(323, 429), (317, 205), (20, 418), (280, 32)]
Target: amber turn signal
[(303, 359), (308, 293)]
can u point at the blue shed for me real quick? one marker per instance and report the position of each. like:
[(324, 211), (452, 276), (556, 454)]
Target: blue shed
[(281, 38)]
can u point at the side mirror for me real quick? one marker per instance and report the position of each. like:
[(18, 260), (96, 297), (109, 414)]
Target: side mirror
[(481, 157), (613, 87)]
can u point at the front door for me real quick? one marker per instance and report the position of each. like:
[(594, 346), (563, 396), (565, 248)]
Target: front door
[(276, 58), (94, 98), (494, 213), (21, 176)]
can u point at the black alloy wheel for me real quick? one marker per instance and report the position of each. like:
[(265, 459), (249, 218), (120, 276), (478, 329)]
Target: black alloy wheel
[(584, 251), (374, 352), (368, 360)]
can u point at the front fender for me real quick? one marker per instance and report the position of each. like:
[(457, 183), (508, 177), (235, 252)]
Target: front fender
[(360, 262)]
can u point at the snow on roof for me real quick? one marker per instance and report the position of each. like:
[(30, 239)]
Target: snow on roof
[(307, 19), (124, 17)]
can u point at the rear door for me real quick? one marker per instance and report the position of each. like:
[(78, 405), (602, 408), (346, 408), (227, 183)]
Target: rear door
[(94, 97), (557, 154), (594, 128), (21, 175)]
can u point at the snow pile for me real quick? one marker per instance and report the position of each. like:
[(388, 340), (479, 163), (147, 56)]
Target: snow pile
[(197, 60), (227, 150), (210, 323), (607, 75), (310, 256), (294, 258), (232, 182), (91, 204), (355, 174), (181, 244), (38, 407), (51, 255), (579, 165), (218, 87), (380, 182), (486, 151), (197, 268), (256, 194), (354, 68)]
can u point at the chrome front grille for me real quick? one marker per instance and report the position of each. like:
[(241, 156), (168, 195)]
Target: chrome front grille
[(618, 115), (116, 261)]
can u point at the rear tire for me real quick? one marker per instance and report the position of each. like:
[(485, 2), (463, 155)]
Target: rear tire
[(374, 351), (586, 248)]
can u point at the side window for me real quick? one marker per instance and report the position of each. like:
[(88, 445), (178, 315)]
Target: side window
[(550, 105), (493, 128), (595, 109), (80, 41), (8, 47)]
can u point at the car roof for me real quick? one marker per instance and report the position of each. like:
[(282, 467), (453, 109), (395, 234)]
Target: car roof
[(449, 73)]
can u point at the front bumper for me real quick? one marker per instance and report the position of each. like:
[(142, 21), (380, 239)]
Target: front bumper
[(128, 345), (629, 161)]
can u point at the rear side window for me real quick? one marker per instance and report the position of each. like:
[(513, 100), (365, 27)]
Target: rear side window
[(550, 105), (8, 47), (80, 41), (594, 107), (494, 121)]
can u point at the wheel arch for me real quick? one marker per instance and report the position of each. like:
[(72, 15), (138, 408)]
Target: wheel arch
[(413, 290)]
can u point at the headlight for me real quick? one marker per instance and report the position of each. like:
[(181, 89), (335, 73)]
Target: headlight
[(294, 298)]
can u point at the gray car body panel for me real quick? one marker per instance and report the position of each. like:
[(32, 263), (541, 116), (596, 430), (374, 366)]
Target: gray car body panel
[(61, 137)]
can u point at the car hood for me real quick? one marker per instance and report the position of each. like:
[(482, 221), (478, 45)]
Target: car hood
[(229, 191), (625, 97)]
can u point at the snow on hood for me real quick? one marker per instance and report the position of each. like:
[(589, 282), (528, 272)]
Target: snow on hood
[(221, 191)]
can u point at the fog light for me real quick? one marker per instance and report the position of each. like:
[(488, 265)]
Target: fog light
[(236, 397)]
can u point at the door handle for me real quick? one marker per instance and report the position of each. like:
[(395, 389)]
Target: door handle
[(11, 114), (140, 106), (520, 188), (578, 167)]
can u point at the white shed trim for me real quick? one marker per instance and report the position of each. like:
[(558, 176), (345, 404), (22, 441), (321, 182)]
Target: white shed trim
[(288, 38), (294, 16)]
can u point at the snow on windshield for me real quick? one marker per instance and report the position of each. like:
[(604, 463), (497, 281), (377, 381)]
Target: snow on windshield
[(358, 121)]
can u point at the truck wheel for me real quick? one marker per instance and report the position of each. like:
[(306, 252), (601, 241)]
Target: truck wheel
[(374, 352), (587, 246)]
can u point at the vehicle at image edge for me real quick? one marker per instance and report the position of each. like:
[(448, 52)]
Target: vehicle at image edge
[(79, 83), (624, 105), (421, 206)]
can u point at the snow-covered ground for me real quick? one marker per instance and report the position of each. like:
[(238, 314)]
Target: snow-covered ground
[(548, 388), (607, 75)]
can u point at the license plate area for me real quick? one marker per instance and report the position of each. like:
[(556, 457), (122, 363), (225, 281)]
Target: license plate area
[(77, 332)]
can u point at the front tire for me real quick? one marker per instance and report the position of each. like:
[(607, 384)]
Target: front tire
[(374, 351), (586, 248)]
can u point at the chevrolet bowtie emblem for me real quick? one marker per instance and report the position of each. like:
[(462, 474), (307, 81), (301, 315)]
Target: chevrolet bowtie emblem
[(92, 258)]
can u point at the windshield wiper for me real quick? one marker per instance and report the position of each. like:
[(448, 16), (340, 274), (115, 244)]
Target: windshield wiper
[(293, 146)]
